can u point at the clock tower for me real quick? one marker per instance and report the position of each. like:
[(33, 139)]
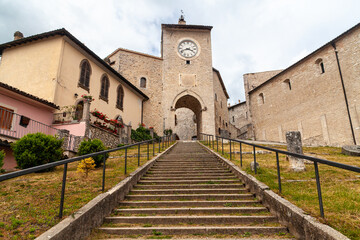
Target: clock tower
[(188, 84)]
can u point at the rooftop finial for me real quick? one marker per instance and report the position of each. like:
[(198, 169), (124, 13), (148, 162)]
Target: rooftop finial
[(182, 18)]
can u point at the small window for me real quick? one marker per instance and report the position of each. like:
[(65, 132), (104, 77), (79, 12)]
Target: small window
[(221, 104), (120, 98), (215, 97), (246, 115), (6, 118), (261, 99), (226, 124), (143, 82), (288, 83), (187, 61), (85, 72), (220, 119), (175, 120), (233, 118), (104, 91), (320, 63), (219, 130)]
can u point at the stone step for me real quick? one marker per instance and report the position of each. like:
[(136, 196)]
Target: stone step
[(210, 219), (188, 191), (189, 186), (187, 169), (207, 197), (200, 210), (213, 178), (201, 181), (238, 230), (190, 171), (174, 204), (199, 174), (187, 166)]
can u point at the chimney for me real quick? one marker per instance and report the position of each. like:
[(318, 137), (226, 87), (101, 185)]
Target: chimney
[(182, 20), (18, 35), (239, 101)]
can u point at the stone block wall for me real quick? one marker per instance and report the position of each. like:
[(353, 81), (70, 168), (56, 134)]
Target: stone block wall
[(303, 98)]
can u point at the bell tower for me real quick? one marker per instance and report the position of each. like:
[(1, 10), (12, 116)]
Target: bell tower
[(187, 77)]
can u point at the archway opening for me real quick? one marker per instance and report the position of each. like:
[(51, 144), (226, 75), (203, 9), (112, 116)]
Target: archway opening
[(187, 119), (79, 111)]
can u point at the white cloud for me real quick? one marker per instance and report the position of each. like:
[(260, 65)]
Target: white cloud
[(248, 36)]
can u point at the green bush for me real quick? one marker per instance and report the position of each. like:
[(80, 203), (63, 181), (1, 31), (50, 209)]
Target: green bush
[(2, 156), (37, 149), (140, 134), (92, 146), (168, 132)]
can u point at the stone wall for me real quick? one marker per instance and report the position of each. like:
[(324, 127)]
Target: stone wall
[(134, 66), (110, 140), (303, 98), (185, 126), (220, 104)]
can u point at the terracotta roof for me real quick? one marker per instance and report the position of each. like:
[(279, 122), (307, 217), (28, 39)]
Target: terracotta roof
[(238, 104), (332, 42), (18, 91), (222, 83), (185, 26), (64, 32)]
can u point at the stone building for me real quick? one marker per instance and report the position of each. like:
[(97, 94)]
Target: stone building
[(318, 96), (186, 94)]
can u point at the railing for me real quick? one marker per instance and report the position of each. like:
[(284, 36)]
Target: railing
[(16, 126), (211, 139), (163, 143)]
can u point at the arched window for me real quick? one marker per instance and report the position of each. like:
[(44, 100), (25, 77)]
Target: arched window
[(288, 83), (120, 98), (261, 99), (143, 82), (320, 63), (104, 90), (85, 72)]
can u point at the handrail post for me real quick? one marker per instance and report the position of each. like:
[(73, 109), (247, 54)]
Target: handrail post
[(278, 171), (255, 160), (162, 143), (125, 159), (104, 167), (222, 146), (148, 151), (240, 154), (217, 144), (139, 154), (230, 150), (153, 143), (212, 137), (63, 191), (319, 189), (159, 145)]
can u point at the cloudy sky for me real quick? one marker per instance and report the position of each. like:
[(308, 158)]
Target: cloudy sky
[(248, 35)]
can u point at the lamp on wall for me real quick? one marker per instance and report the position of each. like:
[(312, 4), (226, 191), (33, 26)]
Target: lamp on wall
[(76, 95)]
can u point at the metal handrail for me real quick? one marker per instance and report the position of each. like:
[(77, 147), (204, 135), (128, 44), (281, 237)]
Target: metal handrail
[(315, 160), (165, 140)]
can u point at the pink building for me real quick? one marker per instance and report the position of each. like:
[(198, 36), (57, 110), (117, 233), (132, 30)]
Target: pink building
[(22, 113)]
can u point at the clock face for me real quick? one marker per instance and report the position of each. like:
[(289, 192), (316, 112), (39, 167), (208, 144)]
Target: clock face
[(187, 48)]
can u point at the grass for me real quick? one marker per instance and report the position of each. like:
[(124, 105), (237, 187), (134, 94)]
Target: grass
[(340, 188), (29, 205)]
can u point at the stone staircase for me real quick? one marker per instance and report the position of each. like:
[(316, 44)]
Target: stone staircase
[(188, 193)]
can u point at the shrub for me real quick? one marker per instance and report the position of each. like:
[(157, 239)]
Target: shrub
[(37, 149), (168, 132), (140, 134), (92, 146), (2, 156), (86, 165)]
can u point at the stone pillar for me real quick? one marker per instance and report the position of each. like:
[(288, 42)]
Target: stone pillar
[(86, 111), (128, 131), (294, 145), (64, 134), (151, 132)]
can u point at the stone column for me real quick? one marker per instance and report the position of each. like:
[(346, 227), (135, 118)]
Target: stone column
[(294, 145), (151, 132), (128, 133), (64, 134), (86, 111)]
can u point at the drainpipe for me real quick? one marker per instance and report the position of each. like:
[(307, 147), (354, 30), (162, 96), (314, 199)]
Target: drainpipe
[(344, 91)]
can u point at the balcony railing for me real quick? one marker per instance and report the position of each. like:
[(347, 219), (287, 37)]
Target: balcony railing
[(15, 126)]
